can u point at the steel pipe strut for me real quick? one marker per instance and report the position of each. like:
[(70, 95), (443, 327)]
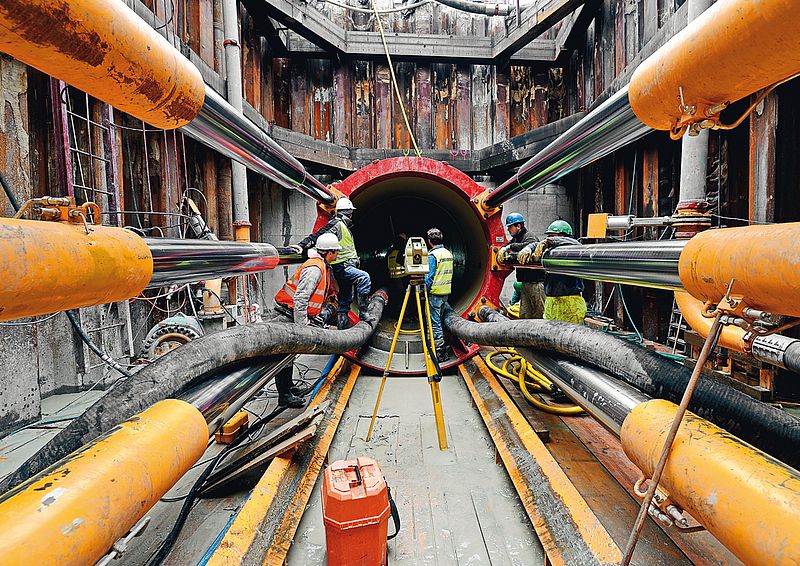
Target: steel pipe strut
[(770, 429), (223, 394), (608, 400), (103, 48), (646, 264), (604, 130), (744, 497), (183, 261), (192, 363), (74, 511), (733, 49), (220, 127)]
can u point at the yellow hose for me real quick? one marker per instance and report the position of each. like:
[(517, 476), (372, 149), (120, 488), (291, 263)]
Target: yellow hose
[(521, 376)]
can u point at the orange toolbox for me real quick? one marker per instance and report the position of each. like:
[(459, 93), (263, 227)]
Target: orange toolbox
[(356, 508)]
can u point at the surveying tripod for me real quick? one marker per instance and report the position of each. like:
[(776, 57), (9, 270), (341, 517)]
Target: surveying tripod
[(432, 369)]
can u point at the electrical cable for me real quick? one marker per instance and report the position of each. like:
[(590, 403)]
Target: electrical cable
[(394, 79), (169, 541), (222, 303), (32, 322)]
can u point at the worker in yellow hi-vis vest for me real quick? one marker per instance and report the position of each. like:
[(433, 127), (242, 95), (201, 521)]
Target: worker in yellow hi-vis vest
[(439, 282)]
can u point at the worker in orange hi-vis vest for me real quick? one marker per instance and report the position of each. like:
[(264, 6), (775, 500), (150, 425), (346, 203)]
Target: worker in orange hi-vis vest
[(308, 297)]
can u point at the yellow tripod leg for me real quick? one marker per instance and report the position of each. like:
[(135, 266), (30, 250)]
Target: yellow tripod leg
[(430, 326), (388, 363), (436, 396)]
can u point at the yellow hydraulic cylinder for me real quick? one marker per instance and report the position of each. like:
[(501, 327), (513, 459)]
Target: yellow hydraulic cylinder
[(53, 266), (731, 337), (733, 49), (762, 260), (745, 498), (74, 511), (103, 48)]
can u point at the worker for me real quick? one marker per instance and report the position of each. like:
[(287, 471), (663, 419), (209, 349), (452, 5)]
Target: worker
[(532, 291), (308, 297), (563, 293), (346, 266), (438, 281)]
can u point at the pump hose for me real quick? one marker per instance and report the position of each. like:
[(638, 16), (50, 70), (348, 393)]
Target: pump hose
[(189, 364), (540, 382), (768, 428)]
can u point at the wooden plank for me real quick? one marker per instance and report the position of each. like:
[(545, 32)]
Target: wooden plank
[(343, 100), (763, 127), (481, 106), (300, 97), (210, 188), (620, 56), (383, 106), (364, 103), (441, 85), (423, 87), (217, 481), (568, 530), (405, 83)]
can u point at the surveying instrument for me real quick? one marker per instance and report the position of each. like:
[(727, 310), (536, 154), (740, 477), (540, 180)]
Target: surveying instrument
[(416, 267)]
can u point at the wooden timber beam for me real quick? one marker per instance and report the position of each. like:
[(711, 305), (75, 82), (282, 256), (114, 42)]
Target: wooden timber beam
[(572, 34), (307, 22), (267, 27), (536, 20)]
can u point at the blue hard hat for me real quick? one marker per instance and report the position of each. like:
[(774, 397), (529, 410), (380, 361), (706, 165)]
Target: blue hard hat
[(514, 218)]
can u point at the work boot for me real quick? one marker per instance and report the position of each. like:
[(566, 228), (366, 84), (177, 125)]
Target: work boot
[(284, 385), (343, 321), (292, 401), (363, 304), (442, 353)]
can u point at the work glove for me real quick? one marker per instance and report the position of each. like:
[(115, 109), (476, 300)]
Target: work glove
[(296, 248), (504, 255), (525, 255)]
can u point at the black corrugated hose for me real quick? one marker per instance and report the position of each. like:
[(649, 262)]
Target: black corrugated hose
[(191, 363), (768, 428)]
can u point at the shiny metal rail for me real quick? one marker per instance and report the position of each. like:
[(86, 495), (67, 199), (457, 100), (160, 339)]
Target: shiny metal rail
[(185, 261), (220, 127), (221, 396), (645, 264), (606, 399), (610, 126)]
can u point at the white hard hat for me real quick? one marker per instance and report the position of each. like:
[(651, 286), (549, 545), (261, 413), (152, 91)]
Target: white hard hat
[(328, 242), (344, 203)]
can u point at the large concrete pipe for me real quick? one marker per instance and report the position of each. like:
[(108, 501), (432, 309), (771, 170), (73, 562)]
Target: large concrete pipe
[(733, 49), (410, 195), (72, 512), (54, 266), (745, 498)]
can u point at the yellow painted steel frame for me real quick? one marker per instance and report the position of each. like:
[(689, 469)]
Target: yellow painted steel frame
[(103, 48), (567, 514), (733, 49), (747, 499), (75, 510), (763, 261), (54, 266), (246, 540)]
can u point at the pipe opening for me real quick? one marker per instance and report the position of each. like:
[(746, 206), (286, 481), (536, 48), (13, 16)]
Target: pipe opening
[(411, 203)]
